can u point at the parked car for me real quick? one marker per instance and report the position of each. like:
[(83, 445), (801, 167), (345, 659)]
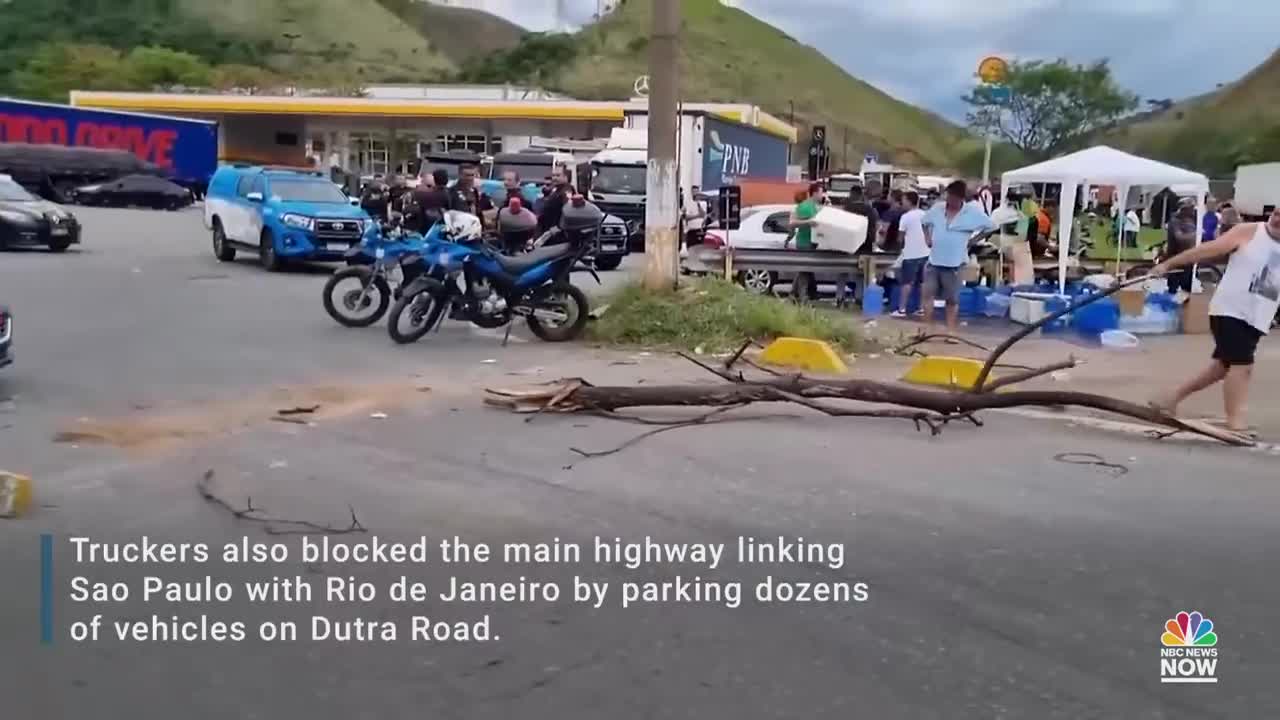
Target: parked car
[(281, 214), (136, 190), (28, 220), (763, 227), (6, 336)]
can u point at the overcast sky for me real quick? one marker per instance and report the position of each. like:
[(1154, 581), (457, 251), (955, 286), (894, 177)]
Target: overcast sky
[(926, 51)]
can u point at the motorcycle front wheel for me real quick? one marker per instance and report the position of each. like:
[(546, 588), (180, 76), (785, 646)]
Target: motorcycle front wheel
[(355, 298), (561, 298), (417, 314)]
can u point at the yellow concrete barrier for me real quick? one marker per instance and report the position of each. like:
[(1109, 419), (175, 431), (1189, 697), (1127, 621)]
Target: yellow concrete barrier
[(948, 372), (804, 353), (15, 494)]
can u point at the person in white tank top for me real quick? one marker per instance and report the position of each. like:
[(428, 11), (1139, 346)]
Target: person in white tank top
[(1241, 312)]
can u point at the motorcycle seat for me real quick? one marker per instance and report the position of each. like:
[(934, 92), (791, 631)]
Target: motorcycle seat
[(517, 264)]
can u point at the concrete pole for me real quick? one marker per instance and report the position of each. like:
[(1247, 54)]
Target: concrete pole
[(662, 267)]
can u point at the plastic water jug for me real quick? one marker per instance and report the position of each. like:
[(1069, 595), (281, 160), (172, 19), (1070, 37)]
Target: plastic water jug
[(873, 300)]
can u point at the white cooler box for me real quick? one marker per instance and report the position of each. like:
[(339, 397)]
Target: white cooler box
[(839, 230), (1028, 308)]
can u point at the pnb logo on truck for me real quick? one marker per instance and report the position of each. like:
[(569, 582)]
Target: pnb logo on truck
[(734, 160), (1190, 653)]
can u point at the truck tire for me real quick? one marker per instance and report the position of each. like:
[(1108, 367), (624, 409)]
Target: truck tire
[(267, 256), (608, 262), (221, 248)]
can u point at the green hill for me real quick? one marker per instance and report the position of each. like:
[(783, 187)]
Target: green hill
[(728, 55), (1235, 124)]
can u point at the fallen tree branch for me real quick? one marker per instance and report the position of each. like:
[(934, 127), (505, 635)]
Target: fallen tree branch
[(1029, 374), (273, 525), (941, 402), (979, 385), (923, 338), (704, 419)]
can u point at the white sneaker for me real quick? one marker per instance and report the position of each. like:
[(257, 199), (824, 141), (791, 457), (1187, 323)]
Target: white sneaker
[(898, 314)]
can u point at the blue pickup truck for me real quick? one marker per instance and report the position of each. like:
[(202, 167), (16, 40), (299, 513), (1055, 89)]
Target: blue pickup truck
[(281, 214)]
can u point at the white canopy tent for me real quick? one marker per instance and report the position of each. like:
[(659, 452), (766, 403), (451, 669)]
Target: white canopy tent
[(1102, 165)]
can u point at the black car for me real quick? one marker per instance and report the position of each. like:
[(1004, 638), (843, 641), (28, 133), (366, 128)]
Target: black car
[(140, 190), (6, 336), (28, 220)]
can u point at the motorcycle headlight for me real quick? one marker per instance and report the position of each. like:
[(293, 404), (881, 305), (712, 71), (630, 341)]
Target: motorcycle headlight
[(298, 221)]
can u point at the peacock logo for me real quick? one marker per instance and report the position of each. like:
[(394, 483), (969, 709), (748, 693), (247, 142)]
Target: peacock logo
[(1189, 629)]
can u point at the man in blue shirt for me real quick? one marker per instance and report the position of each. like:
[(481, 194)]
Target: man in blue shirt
[(947, 227)]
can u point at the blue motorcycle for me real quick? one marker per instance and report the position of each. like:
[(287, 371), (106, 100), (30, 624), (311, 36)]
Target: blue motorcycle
[(359, 294), (472, 281)]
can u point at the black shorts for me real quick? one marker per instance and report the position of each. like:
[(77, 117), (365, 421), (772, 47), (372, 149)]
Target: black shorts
[(1235, 341)]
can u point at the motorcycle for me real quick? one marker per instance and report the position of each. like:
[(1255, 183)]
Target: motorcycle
[(377, 269), (476, 283)]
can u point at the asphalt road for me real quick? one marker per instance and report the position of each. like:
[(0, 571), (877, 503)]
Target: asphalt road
[(1000, 582)]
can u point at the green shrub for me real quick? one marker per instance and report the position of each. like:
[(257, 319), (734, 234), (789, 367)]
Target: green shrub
[(716, 316)]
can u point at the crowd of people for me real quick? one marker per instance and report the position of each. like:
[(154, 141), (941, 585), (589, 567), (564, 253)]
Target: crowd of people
[(931, 238), (422, 206)]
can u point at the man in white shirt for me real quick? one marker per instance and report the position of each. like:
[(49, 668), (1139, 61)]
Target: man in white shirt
[(915, 251)]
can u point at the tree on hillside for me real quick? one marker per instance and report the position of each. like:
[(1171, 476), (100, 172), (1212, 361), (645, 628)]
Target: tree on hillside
[(1052, 105), (157, 67), (54, 70)]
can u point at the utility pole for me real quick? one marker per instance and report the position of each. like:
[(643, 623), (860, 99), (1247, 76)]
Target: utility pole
[(662, 185)]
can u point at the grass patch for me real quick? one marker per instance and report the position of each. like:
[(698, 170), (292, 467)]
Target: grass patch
[(716, 316)]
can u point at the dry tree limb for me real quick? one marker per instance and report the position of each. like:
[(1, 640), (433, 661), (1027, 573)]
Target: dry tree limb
[(979, 385), (941, 402), (273, 525), (932, 420), (728, 364), (924, 338), (1029, 374), (704, 419)]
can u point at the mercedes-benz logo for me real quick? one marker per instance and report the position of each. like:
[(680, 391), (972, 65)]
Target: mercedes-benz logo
[(642, 86)]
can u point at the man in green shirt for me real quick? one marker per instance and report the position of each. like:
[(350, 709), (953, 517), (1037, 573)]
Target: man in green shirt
[(802, 218)]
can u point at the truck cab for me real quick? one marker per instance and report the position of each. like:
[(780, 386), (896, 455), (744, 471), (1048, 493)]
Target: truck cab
[(281, 214), (618, 177), (840, 184)]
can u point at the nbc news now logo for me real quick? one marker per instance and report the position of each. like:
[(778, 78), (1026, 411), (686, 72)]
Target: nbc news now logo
[(1190, 652)]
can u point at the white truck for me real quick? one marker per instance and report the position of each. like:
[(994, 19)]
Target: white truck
[(712, 152), (1257, 187)]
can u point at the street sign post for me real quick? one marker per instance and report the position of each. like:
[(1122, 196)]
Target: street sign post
[(993, 71)]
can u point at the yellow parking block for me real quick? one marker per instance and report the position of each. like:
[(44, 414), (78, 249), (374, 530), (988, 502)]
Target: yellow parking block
[(948, 372), (15, 494), (804, 353)]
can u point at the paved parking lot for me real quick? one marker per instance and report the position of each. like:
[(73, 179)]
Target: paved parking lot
[(1004, 583)]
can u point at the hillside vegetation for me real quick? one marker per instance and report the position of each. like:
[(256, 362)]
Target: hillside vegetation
[(48, 47), (1236, 124), (728, 55)]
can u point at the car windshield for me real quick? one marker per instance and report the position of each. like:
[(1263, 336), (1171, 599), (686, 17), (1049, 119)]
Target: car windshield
[(317, 191), (843, 185), (527, 172), (13, 192), (619, 179), (430, 166)]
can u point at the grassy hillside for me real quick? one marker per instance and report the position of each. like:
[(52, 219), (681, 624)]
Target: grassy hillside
[(1216, 131), (359, 38), (729, 56), (459, 34)]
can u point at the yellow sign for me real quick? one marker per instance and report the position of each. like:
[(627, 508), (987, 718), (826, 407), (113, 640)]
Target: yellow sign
[(993, 70)]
